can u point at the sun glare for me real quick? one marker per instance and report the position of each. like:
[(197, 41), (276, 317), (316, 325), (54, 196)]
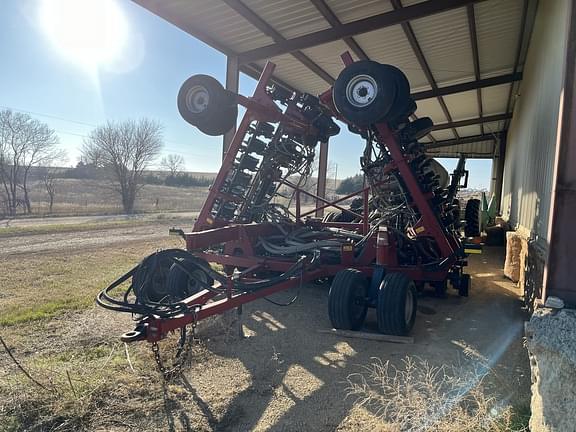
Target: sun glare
[(87, 32)]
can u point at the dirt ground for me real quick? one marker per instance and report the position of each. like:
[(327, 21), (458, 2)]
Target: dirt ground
[(285, 376)]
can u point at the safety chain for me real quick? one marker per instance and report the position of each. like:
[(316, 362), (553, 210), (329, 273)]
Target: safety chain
[(183, 353)]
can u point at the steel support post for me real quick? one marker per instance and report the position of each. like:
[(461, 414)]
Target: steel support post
[(232, 78), (559, 269), (498, 170), (322, 171)]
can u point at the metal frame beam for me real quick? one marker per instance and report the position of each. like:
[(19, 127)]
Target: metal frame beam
[(475, 56), (498, 161), (250, 16), (365, 25), (322, 172), (470, 122), (331, 17), (471, 85), (232, 81), (464, 140)]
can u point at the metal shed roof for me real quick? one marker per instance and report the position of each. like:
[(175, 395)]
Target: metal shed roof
[(463, 58)]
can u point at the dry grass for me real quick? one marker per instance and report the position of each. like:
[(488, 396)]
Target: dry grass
[(86, 373), (90, 197), (102, 385), (38, 288), (419, 396)]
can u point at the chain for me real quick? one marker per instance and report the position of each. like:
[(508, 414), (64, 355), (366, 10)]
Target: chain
[(183, 352)]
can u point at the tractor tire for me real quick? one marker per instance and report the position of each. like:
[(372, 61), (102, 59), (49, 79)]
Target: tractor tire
[(180, 285), (347, 304), (365, 92), (473, 217), (204, 103), (396, 305)]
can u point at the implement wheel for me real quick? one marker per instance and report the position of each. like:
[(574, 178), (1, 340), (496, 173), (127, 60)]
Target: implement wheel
[(347, 305), (185, 279), (204, 103), (364, 92), (473, 215), (396, 306)]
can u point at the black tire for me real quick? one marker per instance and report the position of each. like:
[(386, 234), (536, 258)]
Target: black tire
[(365, 92), (473, 216), (221, 124), (204, 103), (403, 105), (396, 305), (180, 285), (464, 285), (418, 128), (347, 304), (151, 286)]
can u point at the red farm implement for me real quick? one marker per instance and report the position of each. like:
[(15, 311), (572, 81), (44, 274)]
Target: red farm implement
[(399, 235)]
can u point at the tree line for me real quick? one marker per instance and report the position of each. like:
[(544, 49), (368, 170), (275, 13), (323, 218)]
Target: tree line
[(120, 152)]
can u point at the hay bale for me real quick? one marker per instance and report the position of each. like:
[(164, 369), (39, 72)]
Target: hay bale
[(513, 265)]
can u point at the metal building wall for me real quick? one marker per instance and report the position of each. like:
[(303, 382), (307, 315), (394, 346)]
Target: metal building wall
[(531, 142)]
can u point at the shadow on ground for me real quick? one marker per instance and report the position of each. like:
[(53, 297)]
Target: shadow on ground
[(288, 377)]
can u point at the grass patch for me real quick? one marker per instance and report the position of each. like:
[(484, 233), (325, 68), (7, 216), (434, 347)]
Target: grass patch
[(18, 315), (39, 287)]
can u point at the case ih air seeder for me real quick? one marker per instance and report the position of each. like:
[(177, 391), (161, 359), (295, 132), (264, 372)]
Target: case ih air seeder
[(400, 235)]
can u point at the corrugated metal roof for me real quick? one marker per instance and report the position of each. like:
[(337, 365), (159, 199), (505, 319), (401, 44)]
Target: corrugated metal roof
[(431, 108), (293, 72), (327, 57), (444, 38), (483, 149), (443, 135), (389, 45), (289, 18), (472, 130), (494, 99), (445, 41), (498, 28), (465, 104), (348, 11)]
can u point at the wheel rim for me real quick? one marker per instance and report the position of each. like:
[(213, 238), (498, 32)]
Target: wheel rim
[(197, 99), (409, 306), (361, 91)]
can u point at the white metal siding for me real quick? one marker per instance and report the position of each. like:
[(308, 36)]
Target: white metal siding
[(532, 135)]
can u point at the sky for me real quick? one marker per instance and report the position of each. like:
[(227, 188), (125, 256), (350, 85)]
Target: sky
[(62, 70)]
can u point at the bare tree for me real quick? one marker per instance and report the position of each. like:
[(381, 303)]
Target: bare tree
[(50, 184), (126, 149), (173, 163), (24, 143)]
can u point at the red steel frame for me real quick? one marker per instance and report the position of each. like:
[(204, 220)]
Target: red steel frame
[(380, 246)]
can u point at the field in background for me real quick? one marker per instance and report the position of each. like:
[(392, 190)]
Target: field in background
[(94, 197)]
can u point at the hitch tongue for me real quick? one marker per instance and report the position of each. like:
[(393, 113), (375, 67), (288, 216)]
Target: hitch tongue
[(139, 333)]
